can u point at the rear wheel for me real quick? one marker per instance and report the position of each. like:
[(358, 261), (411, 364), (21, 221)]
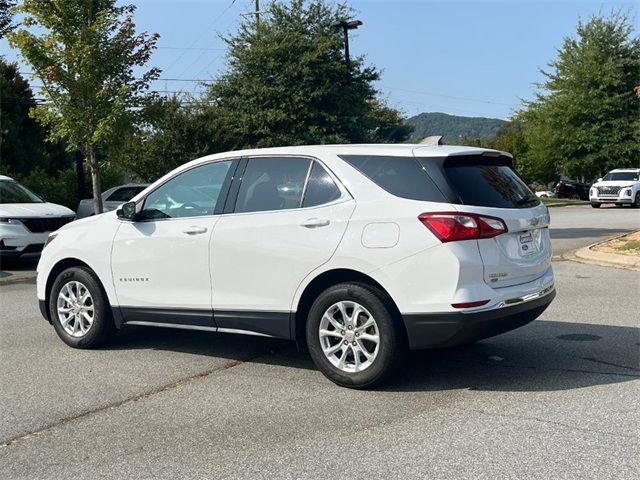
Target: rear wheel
[(352, 337), (79, 309), (595, 205)]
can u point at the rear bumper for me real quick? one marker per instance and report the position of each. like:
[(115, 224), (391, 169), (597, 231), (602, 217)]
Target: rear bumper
[(437, 330)]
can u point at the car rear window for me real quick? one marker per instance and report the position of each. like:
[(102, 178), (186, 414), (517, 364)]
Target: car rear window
[(401, 176), (487, 182), (124, 194)]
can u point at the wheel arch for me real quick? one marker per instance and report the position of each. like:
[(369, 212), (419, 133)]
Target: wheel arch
[(60, 267), (325, 280)]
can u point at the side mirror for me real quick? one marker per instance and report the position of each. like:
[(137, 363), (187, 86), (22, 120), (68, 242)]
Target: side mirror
[(127, 211), (599, 180)]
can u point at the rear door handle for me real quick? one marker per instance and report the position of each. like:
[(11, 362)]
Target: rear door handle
[(195, 230), (315, 222)]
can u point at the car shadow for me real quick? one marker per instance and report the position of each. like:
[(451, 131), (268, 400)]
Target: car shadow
[(18, 264), (543, 356)]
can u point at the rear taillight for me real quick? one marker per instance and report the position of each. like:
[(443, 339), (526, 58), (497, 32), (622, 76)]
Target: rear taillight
[(454, 226)]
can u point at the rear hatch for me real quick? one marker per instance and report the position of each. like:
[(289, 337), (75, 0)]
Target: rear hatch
[(486, 184)]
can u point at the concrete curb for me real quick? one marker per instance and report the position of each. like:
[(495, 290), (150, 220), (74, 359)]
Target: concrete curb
[(588, 255), (18, 277), (567, 204)]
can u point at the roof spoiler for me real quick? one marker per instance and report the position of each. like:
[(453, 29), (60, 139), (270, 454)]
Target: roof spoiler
[(434, 140)]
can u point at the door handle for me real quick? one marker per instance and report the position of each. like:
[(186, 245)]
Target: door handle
[(195, 230), (315, 222)]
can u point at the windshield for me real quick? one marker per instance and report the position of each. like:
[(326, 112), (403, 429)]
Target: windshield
[(630, 176), (13, 192)]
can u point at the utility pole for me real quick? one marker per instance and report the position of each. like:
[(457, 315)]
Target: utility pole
[(257, 12), (346, 26)]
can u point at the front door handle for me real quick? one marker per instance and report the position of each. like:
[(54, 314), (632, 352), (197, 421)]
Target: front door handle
[(195, 230), (315, 222)]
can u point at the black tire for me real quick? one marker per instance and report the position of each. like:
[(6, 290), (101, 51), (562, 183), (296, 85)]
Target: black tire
[(619, 205), (636, 202), (392, 347), (596, 205), (102, 329)]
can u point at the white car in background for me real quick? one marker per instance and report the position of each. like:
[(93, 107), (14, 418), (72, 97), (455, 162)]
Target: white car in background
[(111, 199), (620, 186), (545, 194), (26, 220), (357, 251)]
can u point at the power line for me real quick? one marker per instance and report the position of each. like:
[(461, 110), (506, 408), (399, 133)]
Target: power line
[(190, 48), (198, 39), (198, 80), (419, 92)]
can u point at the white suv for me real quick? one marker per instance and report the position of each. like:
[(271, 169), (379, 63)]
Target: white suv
[(620, 186), (26, 220), (357, 251)]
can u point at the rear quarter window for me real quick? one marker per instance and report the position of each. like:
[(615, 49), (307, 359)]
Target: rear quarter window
[(487, 182), (401, 176)]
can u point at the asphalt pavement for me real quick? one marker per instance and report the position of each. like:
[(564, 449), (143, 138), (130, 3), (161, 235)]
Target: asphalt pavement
[(559, 398)]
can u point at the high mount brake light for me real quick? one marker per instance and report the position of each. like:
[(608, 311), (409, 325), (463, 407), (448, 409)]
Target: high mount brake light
[(456, 226)]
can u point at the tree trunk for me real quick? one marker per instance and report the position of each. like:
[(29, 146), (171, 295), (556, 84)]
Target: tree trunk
[(95, 179), (81, 189)]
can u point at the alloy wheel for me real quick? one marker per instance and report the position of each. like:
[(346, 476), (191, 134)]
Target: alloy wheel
[(349, 336), (75, 308)]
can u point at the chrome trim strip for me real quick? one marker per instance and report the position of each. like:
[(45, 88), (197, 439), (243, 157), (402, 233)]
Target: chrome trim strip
[(243, 332), (197, 327), (171, 325), (526, 298)]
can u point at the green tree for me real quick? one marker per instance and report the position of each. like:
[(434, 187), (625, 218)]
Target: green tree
[(23, 145), (586, 118), (287, 83), (85, 53), (176, 130), (6, 17)]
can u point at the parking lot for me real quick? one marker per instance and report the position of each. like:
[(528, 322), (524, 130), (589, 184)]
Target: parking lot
[(559, 398)]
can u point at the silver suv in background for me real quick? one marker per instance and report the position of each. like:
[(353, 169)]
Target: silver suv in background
[(111, 198)]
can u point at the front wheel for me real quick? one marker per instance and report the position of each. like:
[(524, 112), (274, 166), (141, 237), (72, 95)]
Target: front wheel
[(636, 202), (79, 309), (595, 205), (352, 336)]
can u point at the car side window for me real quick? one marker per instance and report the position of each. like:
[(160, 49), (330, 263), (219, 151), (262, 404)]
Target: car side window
[(124, 194), (193, 193), (272, 183), (321, 188)]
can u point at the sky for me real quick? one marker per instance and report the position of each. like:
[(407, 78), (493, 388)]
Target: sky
[(472, 58)]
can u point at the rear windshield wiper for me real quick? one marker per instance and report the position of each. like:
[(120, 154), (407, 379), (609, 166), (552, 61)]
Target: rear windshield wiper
[(526, 199)]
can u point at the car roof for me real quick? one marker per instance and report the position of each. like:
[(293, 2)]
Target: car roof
[(634, 170), (401, 149), (4, 177)]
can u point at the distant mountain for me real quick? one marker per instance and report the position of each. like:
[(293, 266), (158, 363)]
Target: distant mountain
[(453, 127)]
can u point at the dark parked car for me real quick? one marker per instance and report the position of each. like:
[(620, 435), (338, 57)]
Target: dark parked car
[(566, 188)]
